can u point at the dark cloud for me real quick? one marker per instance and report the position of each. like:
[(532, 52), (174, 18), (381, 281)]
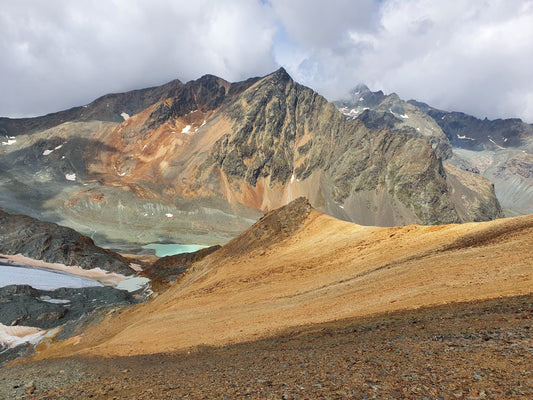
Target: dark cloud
[(471, 56)]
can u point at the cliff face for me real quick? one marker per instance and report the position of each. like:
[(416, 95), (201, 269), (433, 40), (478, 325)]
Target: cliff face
[(197, 162), (378, 111), (286, 140), (500, 150)]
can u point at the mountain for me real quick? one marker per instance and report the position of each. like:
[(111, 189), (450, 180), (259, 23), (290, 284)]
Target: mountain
[(499, 150), (200, 162), (299, 267), (49, 242), (379, 111)]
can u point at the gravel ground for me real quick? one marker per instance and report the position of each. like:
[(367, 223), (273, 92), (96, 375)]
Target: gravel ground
[(481, 350)]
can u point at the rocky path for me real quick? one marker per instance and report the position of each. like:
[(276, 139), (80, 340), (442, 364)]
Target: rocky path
[(482, 350)]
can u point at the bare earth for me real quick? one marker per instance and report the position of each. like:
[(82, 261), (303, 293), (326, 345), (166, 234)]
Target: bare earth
[(480, 350), (327, 270), (306, 306)]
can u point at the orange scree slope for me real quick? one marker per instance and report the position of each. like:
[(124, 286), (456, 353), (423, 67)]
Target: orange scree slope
[(298, 266)]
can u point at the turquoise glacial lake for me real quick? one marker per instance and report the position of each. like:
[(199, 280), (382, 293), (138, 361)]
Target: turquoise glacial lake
[(163, 250)]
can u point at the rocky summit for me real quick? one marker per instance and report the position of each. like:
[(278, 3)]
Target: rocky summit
[(199, 162), (500, 150)]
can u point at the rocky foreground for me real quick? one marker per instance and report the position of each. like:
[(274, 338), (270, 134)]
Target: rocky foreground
[(302, 305), (477, 350)]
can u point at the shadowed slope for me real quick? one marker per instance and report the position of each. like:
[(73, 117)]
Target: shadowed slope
[(326, 270), (46, 241)]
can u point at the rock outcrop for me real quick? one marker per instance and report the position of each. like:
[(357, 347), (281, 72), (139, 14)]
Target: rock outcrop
[(488, 148), (166, 270), (380, 111), (500, 150), (22, 305), (20, 234)]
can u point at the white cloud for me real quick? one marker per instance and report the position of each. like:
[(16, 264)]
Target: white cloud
[(475, 57), (61, 53), (472, 56)]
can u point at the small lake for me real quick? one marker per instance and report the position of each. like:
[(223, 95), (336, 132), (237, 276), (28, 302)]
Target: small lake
[(42, 278), (163, 250)]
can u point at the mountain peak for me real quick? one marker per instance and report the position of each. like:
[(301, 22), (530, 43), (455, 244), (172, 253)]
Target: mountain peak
[(281, 75), (361, 88), (273, 227)]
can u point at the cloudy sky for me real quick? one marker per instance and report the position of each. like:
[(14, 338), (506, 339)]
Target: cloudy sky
[(472, 56)]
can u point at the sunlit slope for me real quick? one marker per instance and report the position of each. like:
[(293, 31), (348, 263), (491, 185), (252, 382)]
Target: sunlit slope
[(298, 266)]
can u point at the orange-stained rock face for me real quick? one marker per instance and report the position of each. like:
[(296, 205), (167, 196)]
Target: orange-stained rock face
[(267, 142), (298, 266)]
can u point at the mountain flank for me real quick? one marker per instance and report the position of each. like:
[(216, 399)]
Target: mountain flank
[(49, 242), (200, 162), (499, 150), (475, 349), (314, 270)]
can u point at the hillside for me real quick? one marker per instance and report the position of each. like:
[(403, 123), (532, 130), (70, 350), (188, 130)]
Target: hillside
[(52, 243), (315, 269)]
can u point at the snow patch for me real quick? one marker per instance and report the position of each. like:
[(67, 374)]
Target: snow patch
[(124, 115), (169, 215), (12, 336), (133, 284), (136, 267), (48, 299), (465, 137), (48, 152), (9, 142), (503, 148), (404, 116), (70, 177), (341, 206), (105, 278), (186, 129), (203, 123), (292, 178)]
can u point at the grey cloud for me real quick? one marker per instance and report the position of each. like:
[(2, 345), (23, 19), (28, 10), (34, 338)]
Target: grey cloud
[(322, 24), (61, 53), (460, 55), (475, 57)]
